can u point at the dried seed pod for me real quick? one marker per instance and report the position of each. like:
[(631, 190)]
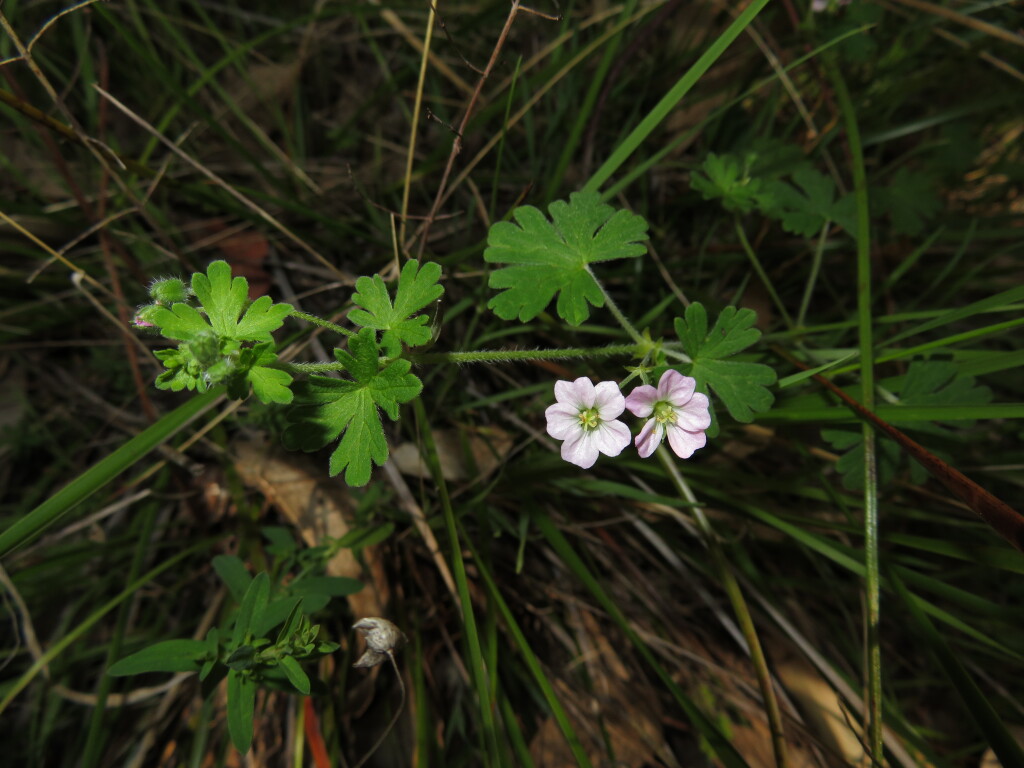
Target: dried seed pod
[(382, 638)]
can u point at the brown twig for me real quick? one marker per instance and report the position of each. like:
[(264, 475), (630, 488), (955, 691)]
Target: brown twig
[(424, 233), (1004, 519)]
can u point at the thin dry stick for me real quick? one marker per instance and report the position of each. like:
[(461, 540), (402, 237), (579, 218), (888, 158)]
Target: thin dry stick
[(103, 153), (27, 48), (223, 184), (405, 498), (457, 143), (535, 97), (967, 21), (94, 145), (58, 256), (394, 720), (414, 128), (113, 700)]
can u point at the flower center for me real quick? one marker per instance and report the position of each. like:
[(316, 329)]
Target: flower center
[(589, 418), (664, 413)]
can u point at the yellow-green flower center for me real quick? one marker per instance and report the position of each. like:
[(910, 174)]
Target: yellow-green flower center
[(589, 418), (664, 413)]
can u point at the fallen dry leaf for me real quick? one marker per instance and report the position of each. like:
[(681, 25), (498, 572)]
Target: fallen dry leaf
[(319, 507), (458, 452), (822, 710)]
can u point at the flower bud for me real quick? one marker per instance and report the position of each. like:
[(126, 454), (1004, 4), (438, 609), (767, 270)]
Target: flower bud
[(382, 639), (168, 290), (144, 316)]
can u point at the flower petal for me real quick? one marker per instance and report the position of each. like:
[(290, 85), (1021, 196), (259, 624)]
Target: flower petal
[(694, 416), (684, 443), (563, 420), (611, 437), (583, 390), (609, 400), (676, 388), (580, 449), (649, 438), (641, 400), (579, 393)]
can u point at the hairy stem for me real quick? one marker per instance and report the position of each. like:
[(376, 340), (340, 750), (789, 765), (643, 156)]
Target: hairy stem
[(321, 322)]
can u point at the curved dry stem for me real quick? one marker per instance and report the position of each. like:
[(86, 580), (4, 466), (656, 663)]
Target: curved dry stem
[(394, 720)]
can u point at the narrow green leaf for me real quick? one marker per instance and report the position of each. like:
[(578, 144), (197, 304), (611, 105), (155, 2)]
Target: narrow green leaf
[(276, 612), (291, 624), (241, 706), (234, 574), (167, 656), (360, 538), (293, 671), (254, 603), (796, 378), (532, 663)]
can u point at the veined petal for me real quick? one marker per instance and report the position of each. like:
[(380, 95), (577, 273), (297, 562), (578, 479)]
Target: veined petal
[(676, 388), (583, 390), (649, 438), (641, 400), (611, 437), (684, 443), (563, 420), (579, 449), (579, 393), (694, 416), (609, 400)]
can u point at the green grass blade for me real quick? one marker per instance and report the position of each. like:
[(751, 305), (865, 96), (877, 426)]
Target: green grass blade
[(61, 645), (725, 751), (530, 658), (865, 333), (671, 99), (978, 707), (481, 678), (103, 472)]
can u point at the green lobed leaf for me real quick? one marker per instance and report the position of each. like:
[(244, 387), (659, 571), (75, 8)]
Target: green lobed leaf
[(241, 705), (167, 656), (211, 349), (741, 386), (805, 209), (417, 287), (181, 322), (725, 178), (293, 671), (911, 200), (553, 257), (223, 300), (270, 385), (327, 408)]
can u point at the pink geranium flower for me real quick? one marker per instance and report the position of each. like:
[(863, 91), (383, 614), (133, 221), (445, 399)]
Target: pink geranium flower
[(676, 410), (585, 419)]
